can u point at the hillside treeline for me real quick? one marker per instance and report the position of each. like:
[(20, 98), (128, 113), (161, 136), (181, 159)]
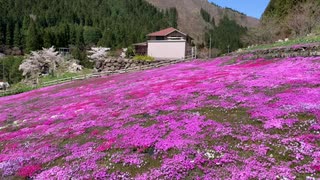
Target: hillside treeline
[(32, 24), (226, 36)]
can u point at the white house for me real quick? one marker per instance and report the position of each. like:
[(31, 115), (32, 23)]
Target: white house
[(168, 43)]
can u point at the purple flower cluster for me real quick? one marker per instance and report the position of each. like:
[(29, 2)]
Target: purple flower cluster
[(219, 119)]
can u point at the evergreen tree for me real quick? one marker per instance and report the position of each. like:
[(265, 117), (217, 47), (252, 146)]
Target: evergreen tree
[(17, 36), (8, 35), (79, 38), (47, 40), (24, 30), (1, 35), (32, 38), (73, 35), (205, 15), (227, 35), (106, 39), (82, 23), (213, 21)]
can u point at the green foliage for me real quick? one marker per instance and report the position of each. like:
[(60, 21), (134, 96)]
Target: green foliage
[(2, 38), (112, 23), (65, 75), (130, 52), (32, 38), (172, 14), (91, 35), (301, 40), (80, 54), (233, 10), (226, 36), (8, 35), (11, 69), (17, 36), (143, 58), (205, 15), (213, 21), (17, 89), (280, 8), (215, 4)]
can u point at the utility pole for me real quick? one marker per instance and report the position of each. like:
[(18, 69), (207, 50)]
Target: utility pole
[(3, 69), (210, 47)]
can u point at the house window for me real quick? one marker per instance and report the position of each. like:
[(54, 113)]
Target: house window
[(159, 38), (175, 38)]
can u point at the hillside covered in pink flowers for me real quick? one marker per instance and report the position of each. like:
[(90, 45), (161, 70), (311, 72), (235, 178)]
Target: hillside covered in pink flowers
[(227, 118)]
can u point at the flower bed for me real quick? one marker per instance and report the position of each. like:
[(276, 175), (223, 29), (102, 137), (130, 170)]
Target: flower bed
[(256, 119)]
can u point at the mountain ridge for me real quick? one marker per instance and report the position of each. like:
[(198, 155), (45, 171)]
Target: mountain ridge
[(190, 20)]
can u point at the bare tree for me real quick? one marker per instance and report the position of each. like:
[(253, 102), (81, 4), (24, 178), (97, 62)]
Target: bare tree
[(266, 32), (304, 18)]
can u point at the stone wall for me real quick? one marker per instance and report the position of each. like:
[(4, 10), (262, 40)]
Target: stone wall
[(113, 64), (312, 49)]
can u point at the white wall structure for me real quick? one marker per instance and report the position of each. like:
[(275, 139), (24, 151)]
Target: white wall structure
[(167, 49)]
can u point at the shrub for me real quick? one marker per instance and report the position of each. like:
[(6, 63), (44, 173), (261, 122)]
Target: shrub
[(11, 69), (130, 52), (143, 58)]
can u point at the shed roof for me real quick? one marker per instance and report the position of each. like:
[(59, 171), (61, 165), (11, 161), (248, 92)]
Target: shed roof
[(140, 44), (165, 32)]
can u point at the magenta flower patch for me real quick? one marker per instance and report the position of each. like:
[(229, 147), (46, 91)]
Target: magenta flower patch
[(229, 118)]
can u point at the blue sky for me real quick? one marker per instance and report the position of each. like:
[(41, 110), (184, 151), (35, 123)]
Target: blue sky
[(253, 8)]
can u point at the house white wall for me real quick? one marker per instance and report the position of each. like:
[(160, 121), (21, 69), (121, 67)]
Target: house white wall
[(167, 49)]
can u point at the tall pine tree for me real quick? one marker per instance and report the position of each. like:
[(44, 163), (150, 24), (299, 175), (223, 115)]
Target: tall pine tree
[(32, 38), (24, 31), (17, 36), (47, 40), (1, 35), (123, 18), (8, 35)]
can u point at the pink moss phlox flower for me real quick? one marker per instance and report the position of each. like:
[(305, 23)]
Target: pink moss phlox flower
[(28, 171), (227, 118)]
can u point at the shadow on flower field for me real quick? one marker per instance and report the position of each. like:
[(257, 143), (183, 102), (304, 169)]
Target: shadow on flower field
[(226, 118)]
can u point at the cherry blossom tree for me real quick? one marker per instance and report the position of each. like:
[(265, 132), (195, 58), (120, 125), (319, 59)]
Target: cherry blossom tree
[(40, 62), (98, 55)]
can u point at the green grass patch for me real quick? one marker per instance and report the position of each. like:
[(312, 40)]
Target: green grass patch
[(143, 58), (21, 88), (300, 40), (64, 75), (233, 116), (280, 153)]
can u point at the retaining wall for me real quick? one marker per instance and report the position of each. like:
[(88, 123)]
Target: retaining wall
[(312, 49)]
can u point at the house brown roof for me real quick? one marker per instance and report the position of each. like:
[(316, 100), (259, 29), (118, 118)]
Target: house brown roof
[(140, 44), (164, 32)]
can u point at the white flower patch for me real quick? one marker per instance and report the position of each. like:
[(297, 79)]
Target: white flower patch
[(282, 178), (14, 124), (3, 127), (211, 154)]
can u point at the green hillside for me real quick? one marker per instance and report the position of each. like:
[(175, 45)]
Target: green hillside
[(280, 8), (33, 24), (290, 18)]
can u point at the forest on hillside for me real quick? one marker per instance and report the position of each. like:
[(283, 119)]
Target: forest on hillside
[(291, 18), (32, 24), (226, 35)]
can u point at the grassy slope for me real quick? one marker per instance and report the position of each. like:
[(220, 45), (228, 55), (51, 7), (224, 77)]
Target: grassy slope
[(296, 41)]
